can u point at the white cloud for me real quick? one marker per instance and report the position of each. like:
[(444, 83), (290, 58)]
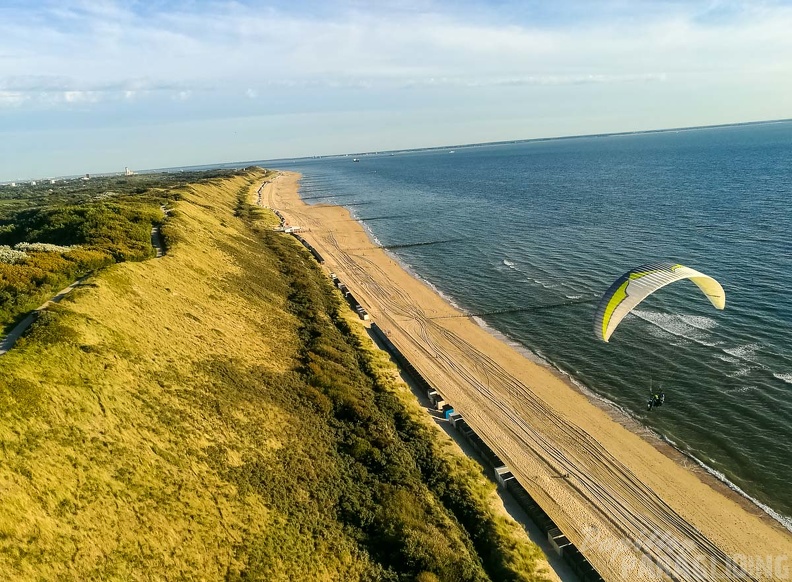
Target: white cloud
[(81, 96), (92, 45), (425, 70), (12, 98)]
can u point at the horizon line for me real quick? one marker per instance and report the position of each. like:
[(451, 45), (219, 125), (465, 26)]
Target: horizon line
[(240, 164)]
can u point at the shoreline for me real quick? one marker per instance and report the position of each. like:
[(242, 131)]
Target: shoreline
[(618, 413), (604, 508)]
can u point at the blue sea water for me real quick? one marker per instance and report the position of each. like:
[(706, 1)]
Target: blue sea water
[(544, 227)]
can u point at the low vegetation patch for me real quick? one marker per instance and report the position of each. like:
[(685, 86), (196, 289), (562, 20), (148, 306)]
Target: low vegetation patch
[(109, 219)]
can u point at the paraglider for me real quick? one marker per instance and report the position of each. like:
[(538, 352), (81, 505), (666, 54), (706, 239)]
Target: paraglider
[(637, 284), (655, 400)]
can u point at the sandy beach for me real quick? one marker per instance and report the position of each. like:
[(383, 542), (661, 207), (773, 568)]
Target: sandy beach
[(630, 506)]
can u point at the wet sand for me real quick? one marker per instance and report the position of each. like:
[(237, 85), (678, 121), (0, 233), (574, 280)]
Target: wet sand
[(630, 506)]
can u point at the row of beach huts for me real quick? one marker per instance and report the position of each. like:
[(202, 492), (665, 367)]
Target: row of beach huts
[(310, 247), (562, 546), (353, 303), (359, 309), (284, 227)]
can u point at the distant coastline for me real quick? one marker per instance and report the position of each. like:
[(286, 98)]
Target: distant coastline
[(273, 161), (520, 141)]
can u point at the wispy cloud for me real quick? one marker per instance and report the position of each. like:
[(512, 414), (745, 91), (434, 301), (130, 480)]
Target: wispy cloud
[(107, 47), (514, 66)]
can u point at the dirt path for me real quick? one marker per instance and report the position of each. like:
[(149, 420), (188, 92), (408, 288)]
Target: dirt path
[(156, 234), (635, 513), (8, 341)]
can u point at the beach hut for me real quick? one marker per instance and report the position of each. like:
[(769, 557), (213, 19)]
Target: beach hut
[(558, 541), (502, 475)]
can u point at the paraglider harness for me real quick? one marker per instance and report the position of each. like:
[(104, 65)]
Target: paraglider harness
[(656, 400)]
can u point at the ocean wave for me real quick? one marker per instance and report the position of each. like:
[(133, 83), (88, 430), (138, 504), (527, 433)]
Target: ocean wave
[(741, 372), (785, 377), (543, 283), (698, 321), (745, 352), (741, 389), (677, 326), (510, 264), (370, 234)]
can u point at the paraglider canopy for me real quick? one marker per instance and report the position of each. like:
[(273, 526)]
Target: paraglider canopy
[(637, 284)]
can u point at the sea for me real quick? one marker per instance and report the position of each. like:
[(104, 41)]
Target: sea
[(527, 236)]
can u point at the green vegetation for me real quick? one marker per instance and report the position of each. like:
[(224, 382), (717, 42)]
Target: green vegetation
[(92, 223), (218, 414)]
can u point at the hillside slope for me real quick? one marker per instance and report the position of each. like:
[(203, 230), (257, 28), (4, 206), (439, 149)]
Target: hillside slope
[(213, 414)]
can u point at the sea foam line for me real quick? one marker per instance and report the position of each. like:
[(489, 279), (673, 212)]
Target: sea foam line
[(785, 377), (676, 326)]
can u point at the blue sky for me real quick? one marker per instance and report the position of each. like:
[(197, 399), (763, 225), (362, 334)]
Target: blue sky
[(96, 85)]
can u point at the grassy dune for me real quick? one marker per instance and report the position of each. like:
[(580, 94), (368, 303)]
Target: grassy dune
[(218, 414)]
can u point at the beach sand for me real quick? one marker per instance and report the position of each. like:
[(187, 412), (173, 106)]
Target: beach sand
[(625, 500)]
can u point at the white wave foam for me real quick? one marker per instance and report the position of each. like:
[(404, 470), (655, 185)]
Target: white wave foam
[(543, 283), (785, 377), (741, 389), (677, 325), (740, 372), (370, 233), (746, 352), (780, 518), (574, 296), (510, 264), (698, 321)]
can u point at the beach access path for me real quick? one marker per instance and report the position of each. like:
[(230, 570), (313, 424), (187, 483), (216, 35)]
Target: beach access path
[(632, 510)]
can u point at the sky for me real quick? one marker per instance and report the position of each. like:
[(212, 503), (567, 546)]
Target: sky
[(99, 85)]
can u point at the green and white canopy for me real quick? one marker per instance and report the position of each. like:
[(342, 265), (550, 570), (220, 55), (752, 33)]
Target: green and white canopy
[(637, 284)]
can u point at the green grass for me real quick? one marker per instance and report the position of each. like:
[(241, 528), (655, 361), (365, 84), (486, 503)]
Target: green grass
[(96, 222), (218, 414)]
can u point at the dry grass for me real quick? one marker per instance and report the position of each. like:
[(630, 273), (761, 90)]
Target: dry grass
[(104, 447), (149, 432)]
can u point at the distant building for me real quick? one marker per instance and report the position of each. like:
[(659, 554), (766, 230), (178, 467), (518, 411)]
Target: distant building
[(32, 182), (86, 177), (13, 184), (128, 172)]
